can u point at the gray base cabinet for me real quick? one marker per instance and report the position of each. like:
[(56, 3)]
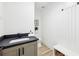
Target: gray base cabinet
[(28, 49)]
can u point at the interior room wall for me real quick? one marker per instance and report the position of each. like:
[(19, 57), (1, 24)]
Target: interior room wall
[(1, 20), (53, 26), (61, 27), (18, 17), (39, 18)]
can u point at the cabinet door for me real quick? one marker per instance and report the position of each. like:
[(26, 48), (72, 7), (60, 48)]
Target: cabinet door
[(10, 52), (30, 49)]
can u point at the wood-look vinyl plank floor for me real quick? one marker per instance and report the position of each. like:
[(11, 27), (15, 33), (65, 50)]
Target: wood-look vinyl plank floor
[(44, 51)]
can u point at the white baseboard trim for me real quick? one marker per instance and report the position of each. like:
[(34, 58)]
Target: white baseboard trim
[(39, 44)]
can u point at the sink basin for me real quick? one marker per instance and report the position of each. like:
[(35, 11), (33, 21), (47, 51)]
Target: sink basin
[(19, 40)]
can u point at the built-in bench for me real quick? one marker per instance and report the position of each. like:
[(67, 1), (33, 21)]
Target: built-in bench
[(63, 51)]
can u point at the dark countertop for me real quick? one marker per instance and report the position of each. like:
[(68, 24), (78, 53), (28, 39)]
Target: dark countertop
[(6, 42)]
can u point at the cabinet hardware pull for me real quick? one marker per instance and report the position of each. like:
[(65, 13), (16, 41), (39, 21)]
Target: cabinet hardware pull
[(19, 51), (23, 50)]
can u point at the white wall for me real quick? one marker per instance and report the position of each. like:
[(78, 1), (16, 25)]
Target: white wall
[(18, 17), (38, 17), (1, 20), (53, 28), (1, 27), (61, 27)]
